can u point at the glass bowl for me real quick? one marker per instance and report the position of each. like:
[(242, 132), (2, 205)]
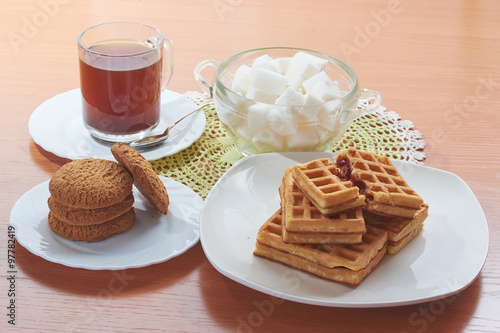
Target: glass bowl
[(259, 126)]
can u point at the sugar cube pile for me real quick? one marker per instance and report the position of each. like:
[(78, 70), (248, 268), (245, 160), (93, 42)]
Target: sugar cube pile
[(295, 103)]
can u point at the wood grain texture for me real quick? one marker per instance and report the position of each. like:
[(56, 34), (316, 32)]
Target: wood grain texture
[(435, 63)]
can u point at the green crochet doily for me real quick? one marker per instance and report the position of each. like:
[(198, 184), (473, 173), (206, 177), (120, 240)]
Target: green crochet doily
[(206, 160)]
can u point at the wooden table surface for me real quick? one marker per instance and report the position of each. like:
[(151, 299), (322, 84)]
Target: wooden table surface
[(434, 62)]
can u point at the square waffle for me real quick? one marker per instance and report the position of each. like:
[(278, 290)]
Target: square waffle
[(300, 237), (321, 184), (386, 191), (303, 223), (400, 231), (348, 264), (395, 247)]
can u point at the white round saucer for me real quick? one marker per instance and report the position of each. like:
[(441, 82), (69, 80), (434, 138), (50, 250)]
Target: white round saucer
[(154, 238), (57, 126)]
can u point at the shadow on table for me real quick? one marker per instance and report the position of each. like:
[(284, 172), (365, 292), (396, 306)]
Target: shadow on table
[(35, 149), (108, 283), (241, 309)]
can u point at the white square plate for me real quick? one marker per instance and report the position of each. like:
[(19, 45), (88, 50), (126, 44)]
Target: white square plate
[(444, 259)]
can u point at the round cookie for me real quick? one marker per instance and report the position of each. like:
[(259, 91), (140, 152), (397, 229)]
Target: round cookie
[(90, 183), (81, 216), (145, 178), (92, 233)]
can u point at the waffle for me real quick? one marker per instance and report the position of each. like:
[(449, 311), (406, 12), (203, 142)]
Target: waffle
[(303, 223), (400, 231), (348, 264), (319, 181), (295, 237), (386, 192), (337, 274), (395, 247)]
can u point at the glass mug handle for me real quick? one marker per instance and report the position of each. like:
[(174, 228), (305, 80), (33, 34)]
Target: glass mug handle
[(205, 85), (369, 100), (168, 62)]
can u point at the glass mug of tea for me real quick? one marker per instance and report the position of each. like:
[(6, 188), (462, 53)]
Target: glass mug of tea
[(124, 66)]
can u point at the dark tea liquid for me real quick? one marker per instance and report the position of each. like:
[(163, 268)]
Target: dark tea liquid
[(121, 95)]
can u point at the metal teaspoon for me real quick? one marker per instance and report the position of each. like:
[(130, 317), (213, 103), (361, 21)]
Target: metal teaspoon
[(159, 138)]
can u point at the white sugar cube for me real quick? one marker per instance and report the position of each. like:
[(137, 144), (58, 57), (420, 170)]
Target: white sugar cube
[(282, 120), (242, 79), (314, 80), (244, 131), (282, 64), (257, 115), (290, 97), (269, 81), (324, 135), (265, 138), (327, 90), (261, 95), (310, 99), (327, 119), (301, 68), (312, 105), (228, 116), (334, 107), (264, 62), (320, 62), (304, 137)]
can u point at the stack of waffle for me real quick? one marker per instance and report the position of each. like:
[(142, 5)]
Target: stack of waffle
[(330, 222), (305, 222), (348, 264), (392, 205)]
